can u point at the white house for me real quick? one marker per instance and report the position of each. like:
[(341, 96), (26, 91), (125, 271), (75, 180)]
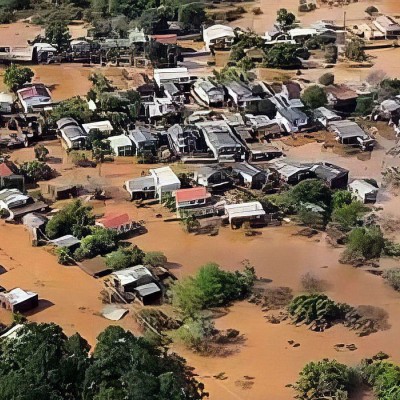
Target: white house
[(218, 37), (363, 190), (174, 75), (244, 211), (103, 126), (121, 145)]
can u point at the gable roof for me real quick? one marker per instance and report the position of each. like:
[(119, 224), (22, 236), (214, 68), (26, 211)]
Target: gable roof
[(196, 193), (5, 170), (114, 221)]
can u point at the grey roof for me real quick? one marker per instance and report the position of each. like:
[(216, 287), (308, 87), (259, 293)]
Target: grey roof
[(328, 172), (73, 132), (239, 88), (218, 134), (141, 183), (65, 241), (141, 134), (208, 85), (171, 88), (347, 129), (148, 289), (247, 169), (388, 23), (325, 113), (34, 220), (208, 171), (291, 114), (61, 123)]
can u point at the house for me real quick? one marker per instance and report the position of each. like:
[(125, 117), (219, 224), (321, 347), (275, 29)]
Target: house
[(143, 140), (292, 92), (363, 190), (263, 126), (341, 98), (252, 212), (9, 179), (6, 103), (135, 282), (209, 92), (16, 204), (68, 241), (389, 110), (249, 175), (178, 75), (104, 127), (185, 139), (121, 223), (350, 133), (221, 141), (324, 116), (388, 26), (291, 172), (71, 133), (121, 145), (18, 300), (58, 192), (292, 119), (174, 93), (160, 181), (95, 267), (300, 34), (334, 176), (192, 197), (213, 178), (262, 151), (240, 94), (158, 108), (34, 97), (218, 37)]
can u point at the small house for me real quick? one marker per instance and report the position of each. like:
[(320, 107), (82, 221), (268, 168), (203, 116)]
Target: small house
[(301, 34), (143, 140), (185, 139), (35, 224), (209, 92), (263, 126), (292, 92), (71, 133), (18, 300), (179, 76), (67, 241), (248, 175), (292, 173), (141, 188), (252, 212), (104, 127), (341, 98), (292, 119), (334, 176), (58, 192), (148, 293), (10, 179), (121, 145), (218, 37), (34, 97), (364, 191), (213, 178), (388, 26), (350, 133), (192, 197), (324, 116), (241, 96), (120, 223)]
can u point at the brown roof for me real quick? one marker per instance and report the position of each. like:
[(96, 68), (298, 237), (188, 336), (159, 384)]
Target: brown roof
[(5, 170), (341, 92)]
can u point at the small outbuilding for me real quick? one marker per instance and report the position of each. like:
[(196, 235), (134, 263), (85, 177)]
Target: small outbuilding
[(121, 145), (239, 213), (19, 300), (364, 191)]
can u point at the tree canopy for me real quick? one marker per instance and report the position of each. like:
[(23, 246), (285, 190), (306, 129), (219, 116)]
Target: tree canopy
[(15, 76), (314, 96), (44, 364), (283, 56), (57, 33)]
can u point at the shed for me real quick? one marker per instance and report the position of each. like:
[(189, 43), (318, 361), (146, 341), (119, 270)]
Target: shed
[(148, 293), (103, 126), (128, 279), (68, 241), (218, 37), (95, 267), (325, 116), (19, 300), (239, 213), (334, 176), (364, 191)]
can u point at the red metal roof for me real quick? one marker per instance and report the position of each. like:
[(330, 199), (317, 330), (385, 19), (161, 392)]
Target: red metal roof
[(33, 91), (196, 193), (5, 170), (114, 221)]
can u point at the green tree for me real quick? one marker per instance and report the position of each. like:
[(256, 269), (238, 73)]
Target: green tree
[(57, 33), (125, 258), (15, 76), (327, 79), (341, 198), (325, 379), (35, 171), (314, 96), (285, 19), (348, 215), (354, 50), (365, 105), (155, 259), (191, 15), (73, 219), (366, 243), (75, 107), (99, 242), (311, 191), (282, 56)]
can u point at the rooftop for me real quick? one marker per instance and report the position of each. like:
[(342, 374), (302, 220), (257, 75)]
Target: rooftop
[(17, 296), (103, 126), (34, 91), (132, 274), (341, 92), (165, 176), (192, 194), (114, 221)]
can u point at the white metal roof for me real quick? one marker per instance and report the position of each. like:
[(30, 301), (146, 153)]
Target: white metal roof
[(104, 126), (164, 176), (18, 295), (166, 74), (119, 141), (216, 32), (132, 274), (250, 209), (362, 187), (6, 98), (302, 32)]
